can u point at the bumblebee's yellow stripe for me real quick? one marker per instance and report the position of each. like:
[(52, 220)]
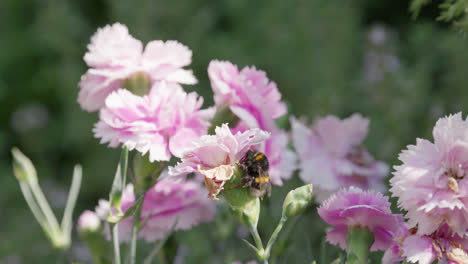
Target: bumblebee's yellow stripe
[(263, 179), (259, 156)]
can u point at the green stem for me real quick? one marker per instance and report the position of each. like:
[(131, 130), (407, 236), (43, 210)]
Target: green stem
[(274, 236), (258, 241), (71, 202), (115, 242), (160, 244), (135, 229), (56, 232), (35, 209), (359, 240)]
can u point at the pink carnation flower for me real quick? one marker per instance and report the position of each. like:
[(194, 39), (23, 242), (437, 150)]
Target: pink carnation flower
[(331, 156), (166, 203), (164, 122), (114, 55), (215, 156), (256, 101), (431, 184), (441, 245), (356, 208)]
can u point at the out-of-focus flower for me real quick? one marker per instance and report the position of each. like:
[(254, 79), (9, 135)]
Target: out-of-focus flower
[(431, 184), (24, 119), (365, 209), (167, 203), (331, 156), (392, 255), (164, 122), (256, 101), (215, 156), (114, 55), (248, 92), (425, 249), (88, 221)]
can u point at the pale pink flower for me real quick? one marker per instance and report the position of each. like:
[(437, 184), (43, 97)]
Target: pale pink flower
[(164, 122), (353, 207), (441, 245), (331, 155), (249, 92), (114, 55), (215, 156), (256, 101), (88, 221), (165, 204), (431, 184), (392, 255)]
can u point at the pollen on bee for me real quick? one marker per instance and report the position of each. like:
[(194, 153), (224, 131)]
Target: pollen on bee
[(257, 180)]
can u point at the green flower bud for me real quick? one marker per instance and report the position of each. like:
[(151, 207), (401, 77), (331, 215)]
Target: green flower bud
[(297, 201), (23, 168), (138, 83), (245, 207)]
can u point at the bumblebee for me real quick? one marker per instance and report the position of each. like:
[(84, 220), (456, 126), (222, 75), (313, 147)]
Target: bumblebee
[(255, 167)]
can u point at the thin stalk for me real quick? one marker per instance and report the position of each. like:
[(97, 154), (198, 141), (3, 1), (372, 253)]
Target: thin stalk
[(258, 241), (45, 207), (274, 236), (115, 242), (71, 202), (135, 229), (160, 244), (35, 208)]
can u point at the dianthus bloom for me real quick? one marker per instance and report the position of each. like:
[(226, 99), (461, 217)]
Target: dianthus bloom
[(366, 209), (431, 184), (162, 123), (256, 101), (165, 204), (215, 156), (331, 156), (425, 249), (114, 55)]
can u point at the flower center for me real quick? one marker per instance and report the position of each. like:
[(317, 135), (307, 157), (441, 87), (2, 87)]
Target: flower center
[(360, 157), (454, 173)]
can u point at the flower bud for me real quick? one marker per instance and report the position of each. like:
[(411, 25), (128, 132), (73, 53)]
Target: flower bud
[(89, 222), (297, 201), (90, 231), (23, 168), (138, 83), (245, 207)]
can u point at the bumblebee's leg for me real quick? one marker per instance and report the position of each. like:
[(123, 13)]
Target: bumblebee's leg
[(269, 189), (244, 182)]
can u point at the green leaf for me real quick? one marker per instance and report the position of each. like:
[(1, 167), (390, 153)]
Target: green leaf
[(118, 185)]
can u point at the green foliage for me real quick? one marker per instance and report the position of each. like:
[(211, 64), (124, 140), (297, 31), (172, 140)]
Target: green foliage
[(454, 11)]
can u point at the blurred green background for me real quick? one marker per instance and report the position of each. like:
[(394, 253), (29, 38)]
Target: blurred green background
[(327, 57)]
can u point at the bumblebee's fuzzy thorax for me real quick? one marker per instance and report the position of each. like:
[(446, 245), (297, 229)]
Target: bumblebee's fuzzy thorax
[(255, 168)]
